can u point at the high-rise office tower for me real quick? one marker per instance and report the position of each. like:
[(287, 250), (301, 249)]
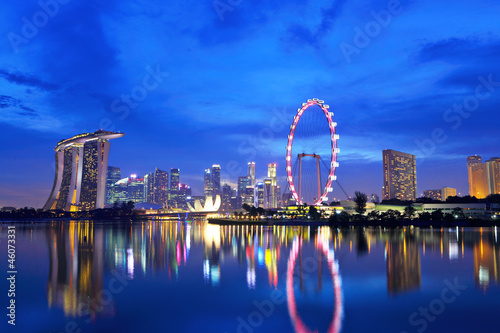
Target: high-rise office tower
[(249, 196), (243, 182), (493, 170), (277, 195), (184, 195), (400, 175), (251, 173), (271, 174), (119, 193), (149, 186), (484, 178), (174, 186), (268, 193), (208, 187), (260, 195), (160, 187), (81, 168), (216, 180), (478, 177), (112, 176), (227, 193), (135, 189)]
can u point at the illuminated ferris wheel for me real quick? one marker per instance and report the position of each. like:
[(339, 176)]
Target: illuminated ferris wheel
[(311, 153)]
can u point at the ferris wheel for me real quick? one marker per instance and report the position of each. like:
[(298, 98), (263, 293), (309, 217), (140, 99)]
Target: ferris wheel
[(311, 153)]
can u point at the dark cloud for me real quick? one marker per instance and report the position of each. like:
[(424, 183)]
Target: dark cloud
[(237, 23), (7, 101), (26, 80), (473, 56), (469, 49), (11, 102), (299, 34)]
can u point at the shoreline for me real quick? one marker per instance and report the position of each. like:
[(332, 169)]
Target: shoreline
[(373, 223)]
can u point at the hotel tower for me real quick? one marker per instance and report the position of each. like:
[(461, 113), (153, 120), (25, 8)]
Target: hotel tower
[(81, 166), (400, 175)]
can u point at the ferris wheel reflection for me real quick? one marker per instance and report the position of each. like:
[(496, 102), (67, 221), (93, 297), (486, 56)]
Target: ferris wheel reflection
[(324, 249)]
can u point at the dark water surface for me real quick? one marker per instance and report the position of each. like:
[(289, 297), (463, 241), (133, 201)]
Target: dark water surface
[(173, 276)]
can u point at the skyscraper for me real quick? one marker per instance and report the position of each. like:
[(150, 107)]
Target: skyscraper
[(243, 182), (149, 185), (174, 187), (484, 178), (400, 175), (135, 189), (268, 193), (260, 194), (493, 170), (249, 196), (112, 176), (160, 187), (227, 193), (81, 168), (251, 173), (477, 176), (271, 174), (216, 180), (184, 195), (208, 187)]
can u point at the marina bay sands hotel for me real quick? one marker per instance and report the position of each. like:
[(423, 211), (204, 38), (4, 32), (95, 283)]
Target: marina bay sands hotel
[(81, 166)]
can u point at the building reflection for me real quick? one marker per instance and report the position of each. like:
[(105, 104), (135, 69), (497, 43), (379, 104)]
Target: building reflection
[(403, 264), (75, 267), (486, 254), (83, 255)]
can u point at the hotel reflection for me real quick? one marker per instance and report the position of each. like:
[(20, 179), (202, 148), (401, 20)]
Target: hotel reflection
[(83, 256)]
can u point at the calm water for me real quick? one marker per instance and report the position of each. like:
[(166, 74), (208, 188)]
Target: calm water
[(190, 276)]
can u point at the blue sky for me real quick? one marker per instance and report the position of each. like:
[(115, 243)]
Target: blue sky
[(230, 76)]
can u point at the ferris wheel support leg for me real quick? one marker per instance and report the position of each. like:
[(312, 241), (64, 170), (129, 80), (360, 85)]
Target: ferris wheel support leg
[(300, 180), (319, 182)]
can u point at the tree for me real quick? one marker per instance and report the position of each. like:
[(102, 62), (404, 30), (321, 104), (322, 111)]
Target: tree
[(391, 215), (253, 211), (374, 215), (360, 200), (341, 218), (246, 207), (409, 212), (437, 215), (425, 216), (493, 198), (466, 199), (449, 218), (313, 213), (458, 213)]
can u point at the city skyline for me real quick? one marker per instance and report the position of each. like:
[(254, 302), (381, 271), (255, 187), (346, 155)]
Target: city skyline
[(224, 90)]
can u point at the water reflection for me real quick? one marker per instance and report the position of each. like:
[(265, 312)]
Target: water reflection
[(403, 263), (82, 255)]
